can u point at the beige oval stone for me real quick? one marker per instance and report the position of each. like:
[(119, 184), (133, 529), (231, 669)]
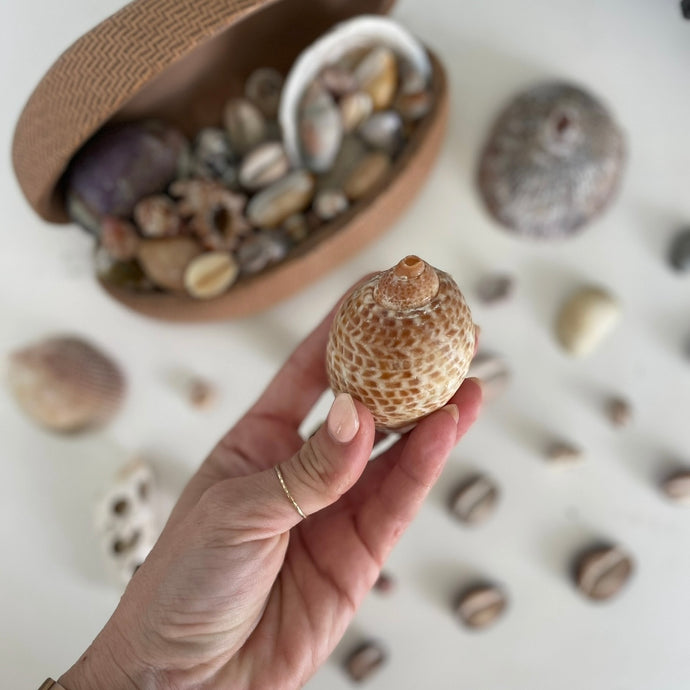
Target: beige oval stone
[(291, 194), (377, 74), (355, 108), (369, 172), (164, 260), (586, 319), (210, 274)]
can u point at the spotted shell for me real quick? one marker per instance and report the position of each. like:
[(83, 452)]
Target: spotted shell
[(552, 163), (65, 383), (401, 343)]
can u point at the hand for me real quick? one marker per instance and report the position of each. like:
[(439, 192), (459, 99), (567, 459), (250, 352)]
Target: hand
[(240, 592)]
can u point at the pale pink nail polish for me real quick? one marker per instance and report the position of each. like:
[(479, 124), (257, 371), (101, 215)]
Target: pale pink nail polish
[(453, 411), (342, 421)]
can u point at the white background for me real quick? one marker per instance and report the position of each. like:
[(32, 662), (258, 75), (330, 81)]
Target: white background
[(54, 594)]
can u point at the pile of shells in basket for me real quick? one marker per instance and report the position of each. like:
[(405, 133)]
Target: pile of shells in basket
[(195, 217)]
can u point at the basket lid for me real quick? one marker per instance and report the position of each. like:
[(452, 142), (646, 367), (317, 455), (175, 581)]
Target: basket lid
[(157, 58)]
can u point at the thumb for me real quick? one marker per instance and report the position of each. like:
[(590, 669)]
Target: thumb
[(324, 468)]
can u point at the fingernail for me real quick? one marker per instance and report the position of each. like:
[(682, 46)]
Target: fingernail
[(453, 411), (342, 421), (477, 381)]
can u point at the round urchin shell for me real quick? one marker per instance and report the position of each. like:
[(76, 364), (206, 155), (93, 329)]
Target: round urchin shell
[(401, 343), (553, 161)]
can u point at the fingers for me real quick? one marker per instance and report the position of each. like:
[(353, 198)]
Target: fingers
[(398, 482), (326, 466), (297, 386)]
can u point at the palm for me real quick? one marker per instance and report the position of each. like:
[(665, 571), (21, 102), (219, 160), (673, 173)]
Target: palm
[(268, 599)]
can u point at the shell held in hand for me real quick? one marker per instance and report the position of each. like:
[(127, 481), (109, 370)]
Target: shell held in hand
[(66, 384), (401, 343)]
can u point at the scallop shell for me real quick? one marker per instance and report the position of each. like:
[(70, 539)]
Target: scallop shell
[(347, 36), (65, 383), (552, 163), (401, 343)]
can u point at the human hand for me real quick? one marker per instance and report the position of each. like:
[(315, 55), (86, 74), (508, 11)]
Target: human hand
[(240, 592)]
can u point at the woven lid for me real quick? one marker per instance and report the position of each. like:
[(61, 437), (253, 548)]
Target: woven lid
[(175, 59)]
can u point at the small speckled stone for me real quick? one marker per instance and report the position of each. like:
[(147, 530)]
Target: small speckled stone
[(296, 227), (495, 287), (212, 158), (602, 572), (677, 486), (263, 88), (245, 125), (210, 274), (383, 131), (272, 205), (157, 216), (563, 453), (320, 128), (679, 252), (619, 411), (481, 606), (364, 661), (474, 500), (202, 394), (330, 203), (366, 175), (261, 250)]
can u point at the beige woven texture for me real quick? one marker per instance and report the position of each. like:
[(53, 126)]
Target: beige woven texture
[(98, 74)]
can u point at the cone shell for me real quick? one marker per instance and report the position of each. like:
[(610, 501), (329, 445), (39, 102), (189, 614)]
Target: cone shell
[(401, 343), (65, 384)]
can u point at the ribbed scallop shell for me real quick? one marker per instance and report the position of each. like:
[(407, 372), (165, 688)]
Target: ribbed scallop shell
[(65, 383), (553, 161), (403, 362)]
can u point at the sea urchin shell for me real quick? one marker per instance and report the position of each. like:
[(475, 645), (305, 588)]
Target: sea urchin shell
[(553, 161), (401, 343)]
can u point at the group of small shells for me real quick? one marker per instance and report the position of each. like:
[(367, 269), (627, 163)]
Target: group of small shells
[(552, 163), (236, 200)]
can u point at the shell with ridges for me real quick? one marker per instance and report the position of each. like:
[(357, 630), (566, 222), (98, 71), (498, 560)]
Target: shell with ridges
[(401, 343), (65, 383)]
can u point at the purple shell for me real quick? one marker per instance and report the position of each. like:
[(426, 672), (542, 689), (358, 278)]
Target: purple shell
[(120, 165), (553, 161)]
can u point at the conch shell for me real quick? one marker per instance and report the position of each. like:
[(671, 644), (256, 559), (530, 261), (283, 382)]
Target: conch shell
[(65, 383), (401, 343)]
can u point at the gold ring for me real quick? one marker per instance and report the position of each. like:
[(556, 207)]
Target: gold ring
[(279, 474)]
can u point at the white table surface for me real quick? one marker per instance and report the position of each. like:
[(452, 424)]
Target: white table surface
[(54, 594)]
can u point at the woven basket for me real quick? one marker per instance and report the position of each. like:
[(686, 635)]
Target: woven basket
[(180, 60)]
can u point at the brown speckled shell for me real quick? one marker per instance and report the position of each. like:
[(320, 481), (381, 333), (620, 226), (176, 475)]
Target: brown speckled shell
[(552, 163), (401, 363)]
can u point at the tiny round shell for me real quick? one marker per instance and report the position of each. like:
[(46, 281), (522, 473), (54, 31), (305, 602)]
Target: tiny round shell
[(401, 343), (65, 383), (553, 161)]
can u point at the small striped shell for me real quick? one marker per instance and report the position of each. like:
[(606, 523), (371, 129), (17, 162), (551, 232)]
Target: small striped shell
[(401, 343), (552, 163), (65, 383)]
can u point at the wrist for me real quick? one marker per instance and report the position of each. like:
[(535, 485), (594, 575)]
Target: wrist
[(108, 664)]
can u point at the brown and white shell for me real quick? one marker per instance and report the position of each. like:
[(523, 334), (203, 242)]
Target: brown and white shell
[(65, 383), (553, 161), (401, 343)]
